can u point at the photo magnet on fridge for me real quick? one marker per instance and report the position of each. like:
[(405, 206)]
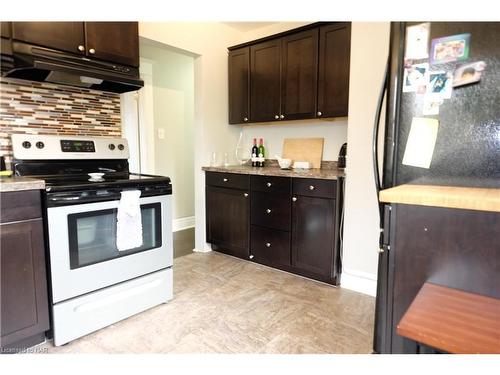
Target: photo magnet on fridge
[(469, 73), (417, 39), (431, 106), (415, 78), (450, 48), (440, 85)]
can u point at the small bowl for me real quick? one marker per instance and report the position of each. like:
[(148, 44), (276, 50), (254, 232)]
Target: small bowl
[(285, 163), (96, 176)]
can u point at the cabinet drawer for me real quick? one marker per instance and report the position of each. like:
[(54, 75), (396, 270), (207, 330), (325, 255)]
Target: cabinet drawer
[(271, 210), (315, 188), (271, 184), (270, 246), (228, 180), (20, 205)]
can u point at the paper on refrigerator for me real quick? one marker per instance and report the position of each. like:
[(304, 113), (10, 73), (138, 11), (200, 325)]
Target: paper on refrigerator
[(421, 141), (417, 41)]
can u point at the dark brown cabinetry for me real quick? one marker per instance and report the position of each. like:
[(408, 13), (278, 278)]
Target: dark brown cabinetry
[(110, 41), (333, 72), (239, 85), (265, 76), (298, 74), (228, 213), (24, 301), (297, 233)]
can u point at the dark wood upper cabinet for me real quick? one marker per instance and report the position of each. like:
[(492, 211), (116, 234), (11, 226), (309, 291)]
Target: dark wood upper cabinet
[(239, 85), (334, 66), (313, 236), (5, 29), (299, 75), (113, 41), (64, 36), (228, 220), (265, 73)]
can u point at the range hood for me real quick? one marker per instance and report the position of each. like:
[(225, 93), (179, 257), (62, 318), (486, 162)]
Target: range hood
[(46, 65)]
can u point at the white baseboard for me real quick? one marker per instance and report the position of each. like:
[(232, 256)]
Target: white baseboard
[(358, 281), (183, 223)]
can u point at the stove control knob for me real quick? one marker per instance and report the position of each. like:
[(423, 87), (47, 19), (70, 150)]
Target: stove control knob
[(40, 145), (111, 146), (26, 144), (121, 147)]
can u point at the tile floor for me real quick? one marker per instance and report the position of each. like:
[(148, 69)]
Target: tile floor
[(226, 305)]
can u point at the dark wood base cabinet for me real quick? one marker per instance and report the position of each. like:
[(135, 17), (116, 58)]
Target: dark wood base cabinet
[(24, 299), (287, 223), (455, 248)]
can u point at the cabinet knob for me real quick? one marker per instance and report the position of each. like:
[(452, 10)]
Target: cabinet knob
[(319, 113), (268, 244), (276, 117), (294, 199), (268, 184), (380, 250), (92, 51), (245, 195), (81, 48), (282, 117), (251, 257), (224, 179), (245, 119), (268, 211), (311, 187)]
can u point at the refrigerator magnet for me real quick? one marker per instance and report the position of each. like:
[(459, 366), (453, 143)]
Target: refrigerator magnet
[(415, 78), (417, 39), (440, 85), (470, 73), (431, 106), (421, 141), (450, 48)]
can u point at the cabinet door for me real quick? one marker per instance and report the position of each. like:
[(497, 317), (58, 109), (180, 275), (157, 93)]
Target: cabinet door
[(313, 236), (24, 287), (265, 81), (228, 220), (113, 41), (334, 63), (64, 36), (5, 29), (239, 85), (299, 75)]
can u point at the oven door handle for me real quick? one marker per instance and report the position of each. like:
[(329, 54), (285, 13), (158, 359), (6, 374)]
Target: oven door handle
[(63, 199)]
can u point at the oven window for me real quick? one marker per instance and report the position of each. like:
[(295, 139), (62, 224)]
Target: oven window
[(92, 235)]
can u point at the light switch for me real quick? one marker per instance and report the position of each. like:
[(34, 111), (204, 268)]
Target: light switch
[(161, 133)]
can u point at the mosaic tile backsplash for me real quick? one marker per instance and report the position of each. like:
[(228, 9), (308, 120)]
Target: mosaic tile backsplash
[(45, 108)]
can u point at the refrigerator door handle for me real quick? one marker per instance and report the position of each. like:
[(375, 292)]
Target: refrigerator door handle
[(376, 127)]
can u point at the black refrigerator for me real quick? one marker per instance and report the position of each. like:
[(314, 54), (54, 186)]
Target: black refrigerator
[(448, 74)]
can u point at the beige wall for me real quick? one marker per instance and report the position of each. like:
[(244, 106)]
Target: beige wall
[(333, 131), (369, 49), (209, 42)]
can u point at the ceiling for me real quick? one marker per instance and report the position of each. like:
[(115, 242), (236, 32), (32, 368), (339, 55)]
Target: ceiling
[(247, 26)]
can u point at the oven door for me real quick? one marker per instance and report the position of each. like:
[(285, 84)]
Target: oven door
[(82, 246)]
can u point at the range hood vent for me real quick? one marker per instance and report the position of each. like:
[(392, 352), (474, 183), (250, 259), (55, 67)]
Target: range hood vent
[(45, 65)]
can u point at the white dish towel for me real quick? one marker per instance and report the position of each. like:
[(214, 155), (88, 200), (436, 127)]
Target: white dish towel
[(129, 221)]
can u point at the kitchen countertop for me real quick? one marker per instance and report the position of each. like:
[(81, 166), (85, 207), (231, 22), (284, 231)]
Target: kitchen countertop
[(470, 198), (330, 172), (17, 183)]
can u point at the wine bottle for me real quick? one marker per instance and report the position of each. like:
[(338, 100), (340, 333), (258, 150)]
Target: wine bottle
[(262, 153), (255, 153)]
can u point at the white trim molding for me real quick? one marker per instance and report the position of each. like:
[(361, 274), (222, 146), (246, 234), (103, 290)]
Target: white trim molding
[(358, 281), (182, 223)]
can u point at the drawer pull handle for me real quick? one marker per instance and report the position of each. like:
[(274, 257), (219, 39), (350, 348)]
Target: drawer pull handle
[(268, 244), (268, 211), (269, 184), (245, 195), (224, 179), (294, 199), (311, 187)]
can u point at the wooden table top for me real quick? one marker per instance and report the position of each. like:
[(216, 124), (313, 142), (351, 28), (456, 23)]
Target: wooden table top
[(453, 320), (482, 199)]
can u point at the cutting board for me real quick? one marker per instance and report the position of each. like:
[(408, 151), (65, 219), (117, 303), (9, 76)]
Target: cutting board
[(304, 149)]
